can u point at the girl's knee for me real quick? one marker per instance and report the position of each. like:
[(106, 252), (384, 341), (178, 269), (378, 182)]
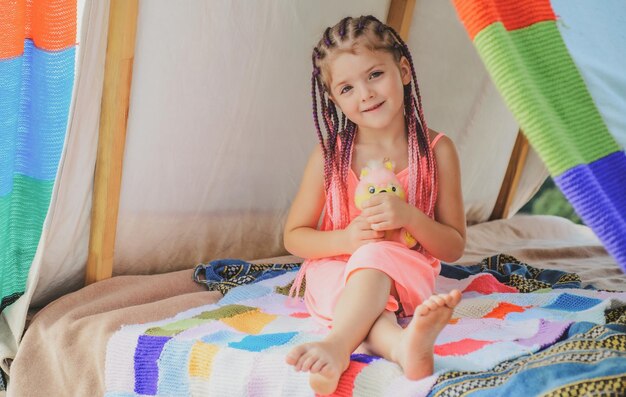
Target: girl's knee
[(369, 278), (366, 249)]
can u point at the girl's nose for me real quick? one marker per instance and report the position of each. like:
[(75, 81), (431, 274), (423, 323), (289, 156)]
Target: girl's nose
[(367, 94)]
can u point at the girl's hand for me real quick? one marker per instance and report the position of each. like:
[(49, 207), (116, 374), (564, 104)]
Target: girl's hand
[(359, 232), (386, 211)]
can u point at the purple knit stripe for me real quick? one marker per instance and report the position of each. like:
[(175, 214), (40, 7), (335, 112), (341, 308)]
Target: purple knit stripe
[(363, 358), (548, 334), (597, 191), (146, 367)]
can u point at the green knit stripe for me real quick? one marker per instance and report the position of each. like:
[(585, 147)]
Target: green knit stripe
[(22, 214), (543, 88)]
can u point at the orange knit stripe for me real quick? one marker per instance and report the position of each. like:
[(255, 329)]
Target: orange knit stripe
[(51, 24), (345, 387), (460, 347), (478, 14), (503, 309), (12, 21)]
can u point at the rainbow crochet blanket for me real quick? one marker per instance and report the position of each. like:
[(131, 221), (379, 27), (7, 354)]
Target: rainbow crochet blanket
[(499, 341)]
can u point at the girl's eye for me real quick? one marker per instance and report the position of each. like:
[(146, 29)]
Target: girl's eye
[(393, 189), (345, 89), (372, 190), (375, 74)]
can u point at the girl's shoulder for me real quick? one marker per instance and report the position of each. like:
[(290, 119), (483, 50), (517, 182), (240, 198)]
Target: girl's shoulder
[(314, 168), (443, 147), (439, 139), (434, 137)]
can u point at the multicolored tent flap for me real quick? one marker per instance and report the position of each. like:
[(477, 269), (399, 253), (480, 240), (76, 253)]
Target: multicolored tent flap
[(557, 105), (37, 56)]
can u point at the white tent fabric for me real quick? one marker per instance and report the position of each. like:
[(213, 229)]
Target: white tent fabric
[(220, 128), (598, 48)]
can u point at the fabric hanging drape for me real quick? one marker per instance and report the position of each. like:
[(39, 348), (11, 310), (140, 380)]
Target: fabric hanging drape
[(564, 83), (37, 55)]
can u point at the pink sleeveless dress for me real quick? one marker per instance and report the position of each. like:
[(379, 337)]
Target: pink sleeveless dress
[(413, 273)]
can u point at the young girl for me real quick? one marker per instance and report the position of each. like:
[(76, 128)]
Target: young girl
[(364, 86)]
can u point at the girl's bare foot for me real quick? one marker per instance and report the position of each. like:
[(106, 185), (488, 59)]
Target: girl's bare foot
[(414, 351), (325, 360)]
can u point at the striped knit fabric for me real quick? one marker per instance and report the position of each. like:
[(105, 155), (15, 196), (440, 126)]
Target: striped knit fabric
[(528, 60), (37, 49), (237, 346)]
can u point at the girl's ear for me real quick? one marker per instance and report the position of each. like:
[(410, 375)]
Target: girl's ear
[(405, 70), (330, 96)]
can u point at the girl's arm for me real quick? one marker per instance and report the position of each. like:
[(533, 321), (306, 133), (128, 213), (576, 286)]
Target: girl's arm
[(444, 237), (301, 236)]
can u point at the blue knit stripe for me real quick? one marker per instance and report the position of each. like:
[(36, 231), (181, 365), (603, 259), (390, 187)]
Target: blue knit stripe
[(597, 192)]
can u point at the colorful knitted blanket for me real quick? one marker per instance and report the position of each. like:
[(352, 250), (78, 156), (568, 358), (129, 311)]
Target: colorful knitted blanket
[(499, 341)]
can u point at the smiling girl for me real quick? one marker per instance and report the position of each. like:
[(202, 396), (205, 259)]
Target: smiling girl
[(357, 283)]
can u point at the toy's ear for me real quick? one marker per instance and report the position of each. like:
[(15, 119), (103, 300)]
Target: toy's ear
[(364, 172), (389, 165)]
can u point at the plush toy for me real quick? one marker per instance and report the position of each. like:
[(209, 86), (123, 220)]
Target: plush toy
[(378, 177)]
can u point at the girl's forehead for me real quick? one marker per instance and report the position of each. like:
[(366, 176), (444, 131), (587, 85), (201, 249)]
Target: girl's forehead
[(346, 64)]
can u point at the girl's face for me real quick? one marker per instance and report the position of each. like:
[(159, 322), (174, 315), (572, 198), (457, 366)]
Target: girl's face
[(369, 87)]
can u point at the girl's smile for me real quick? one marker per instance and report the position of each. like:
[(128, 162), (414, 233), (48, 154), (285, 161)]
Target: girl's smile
[(374, 107)]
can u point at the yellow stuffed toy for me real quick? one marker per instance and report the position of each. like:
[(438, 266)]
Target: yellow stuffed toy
[(378, 177)]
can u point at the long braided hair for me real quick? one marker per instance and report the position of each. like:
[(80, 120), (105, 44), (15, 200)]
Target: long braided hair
[(346, 36)]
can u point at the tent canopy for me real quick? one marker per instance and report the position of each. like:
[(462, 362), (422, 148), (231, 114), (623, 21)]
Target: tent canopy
[(203, 113)]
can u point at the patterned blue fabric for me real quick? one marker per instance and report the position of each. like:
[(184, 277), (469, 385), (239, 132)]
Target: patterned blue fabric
[(510, 271), (224, 274), (591, 360)]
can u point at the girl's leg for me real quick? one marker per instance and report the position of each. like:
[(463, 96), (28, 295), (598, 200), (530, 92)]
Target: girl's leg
[(412, 347), (361, 303)]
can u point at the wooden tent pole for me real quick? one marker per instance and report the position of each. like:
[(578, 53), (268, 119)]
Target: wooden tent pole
[(511, 178), (113, 118), (400, 16)]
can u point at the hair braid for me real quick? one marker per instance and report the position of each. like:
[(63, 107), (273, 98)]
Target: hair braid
[(342, 27), (427, 187)]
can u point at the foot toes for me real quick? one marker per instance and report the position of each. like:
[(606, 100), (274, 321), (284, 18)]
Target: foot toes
[(422, 310), (431, 304), (303, 359), (318, 367), (294, 354), (453, 298), (440, 301), (308, 363)]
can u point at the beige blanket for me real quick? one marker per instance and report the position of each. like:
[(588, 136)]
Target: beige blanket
[(63, 350)]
